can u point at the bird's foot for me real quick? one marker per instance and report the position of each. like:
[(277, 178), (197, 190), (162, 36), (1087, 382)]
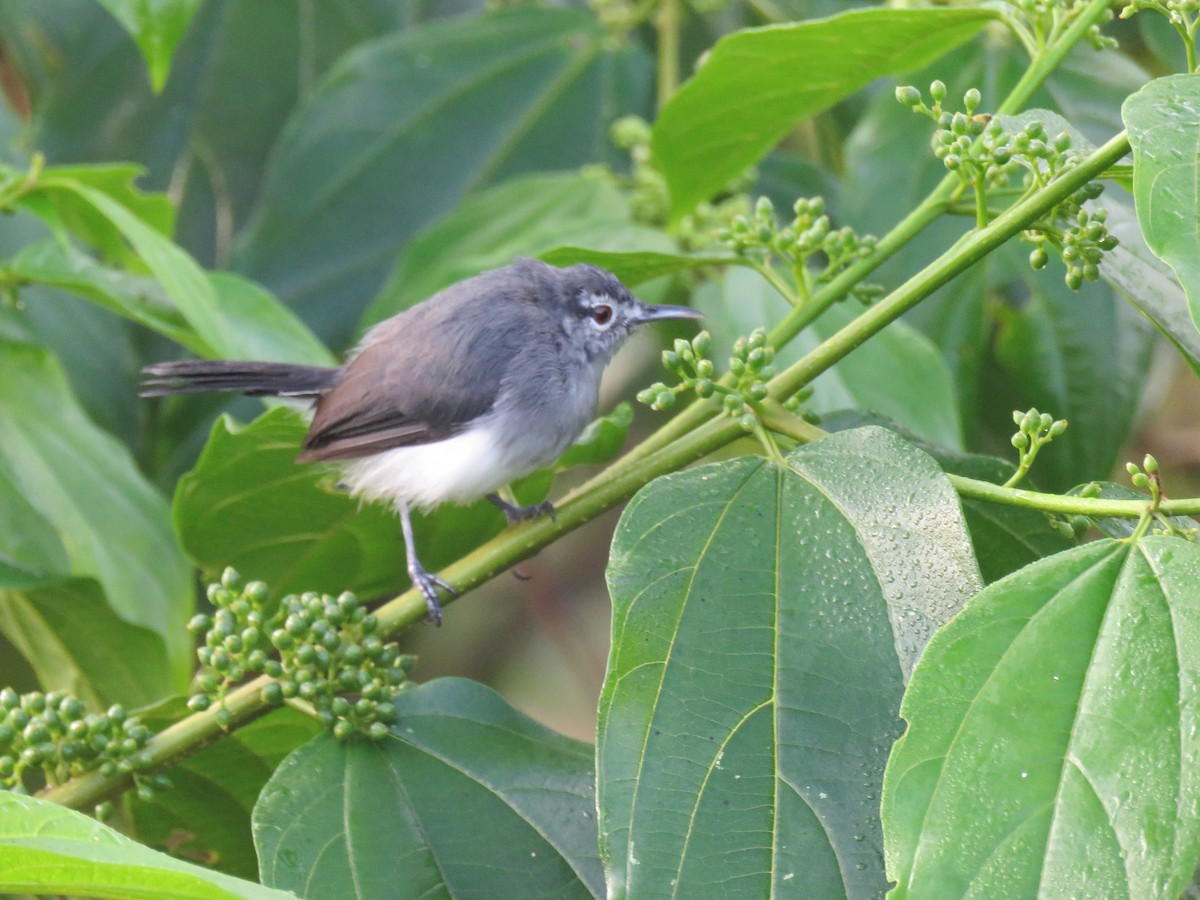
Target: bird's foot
[(516, 514), (428, 583)]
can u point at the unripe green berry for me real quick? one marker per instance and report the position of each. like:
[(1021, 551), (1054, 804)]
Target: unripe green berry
[(937, 90), (272, 694), (908, 95)]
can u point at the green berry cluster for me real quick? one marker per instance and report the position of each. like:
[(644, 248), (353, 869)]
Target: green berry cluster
[(1034, 431), (1083, 243), (809, 237), (53, 734), (976, 147), (649, 197), (751, 365), (330, 655)]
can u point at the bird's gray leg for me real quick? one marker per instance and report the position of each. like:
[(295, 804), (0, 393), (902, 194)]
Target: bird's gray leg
[(426, 582), (516, 514)]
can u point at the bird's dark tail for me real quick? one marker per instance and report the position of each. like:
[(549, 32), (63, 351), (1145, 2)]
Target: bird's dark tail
[(194, 376)]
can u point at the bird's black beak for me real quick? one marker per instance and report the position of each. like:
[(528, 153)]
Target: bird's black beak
[(658, 313)]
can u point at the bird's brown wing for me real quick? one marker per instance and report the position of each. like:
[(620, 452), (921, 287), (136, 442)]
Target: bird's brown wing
[(395, 393)]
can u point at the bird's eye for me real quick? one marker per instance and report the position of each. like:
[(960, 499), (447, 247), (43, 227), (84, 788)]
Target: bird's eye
[(602, 314)]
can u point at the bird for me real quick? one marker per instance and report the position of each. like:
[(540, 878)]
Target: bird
[(455, 397)]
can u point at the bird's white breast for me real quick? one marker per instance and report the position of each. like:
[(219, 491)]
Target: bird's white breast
[(459, 469)]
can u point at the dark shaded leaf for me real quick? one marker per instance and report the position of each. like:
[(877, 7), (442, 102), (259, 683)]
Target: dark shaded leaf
[(359, 819)]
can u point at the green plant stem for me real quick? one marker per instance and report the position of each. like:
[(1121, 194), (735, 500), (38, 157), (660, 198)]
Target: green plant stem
[(667, 26), (694, 434)]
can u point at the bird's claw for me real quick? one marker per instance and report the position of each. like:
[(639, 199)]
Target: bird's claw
[(428, 584), (517, 514)]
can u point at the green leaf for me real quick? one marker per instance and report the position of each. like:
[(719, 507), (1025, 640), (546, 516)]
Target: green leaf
[(1052, 738), (75, 642), (1163, 120), (247, 504), (48, 849), (156, 26), (113, 524), (764, 623), (118, 182), (205, 815), (759, 83), (1148, 283), (261, 328), (466, 797), (133, 297), (404, 127), (31, 552), (521, 217), (898, 374)]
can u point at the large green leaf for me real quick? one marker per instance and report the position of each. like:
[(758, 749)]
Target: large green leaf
[(764, 622), (405, 126), (1163, 120), (898, 374), (1053, 742), (206, 814), (758, 83), (75, 642), (521, 217), (48, 849), (112, 523), (466, 797), (156, 27)]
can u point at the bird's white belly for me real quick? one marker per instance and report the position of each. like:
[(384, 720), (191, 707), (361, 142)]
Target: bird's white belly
[(458, 469)]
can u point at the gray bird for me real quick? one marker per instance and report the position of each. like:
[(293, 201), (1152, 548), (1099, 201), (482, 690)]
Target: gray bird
[(456, 397)]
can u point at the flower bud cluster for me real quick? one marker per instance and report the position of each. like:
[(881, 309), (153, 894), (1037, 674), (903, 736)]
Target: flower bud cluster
[(752, 365), (1035, 429), (985, 155), (689, 362), (1145, 476), (809, 237), (1180, 13), (1041, 21), (329, 654), (55, 735)]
